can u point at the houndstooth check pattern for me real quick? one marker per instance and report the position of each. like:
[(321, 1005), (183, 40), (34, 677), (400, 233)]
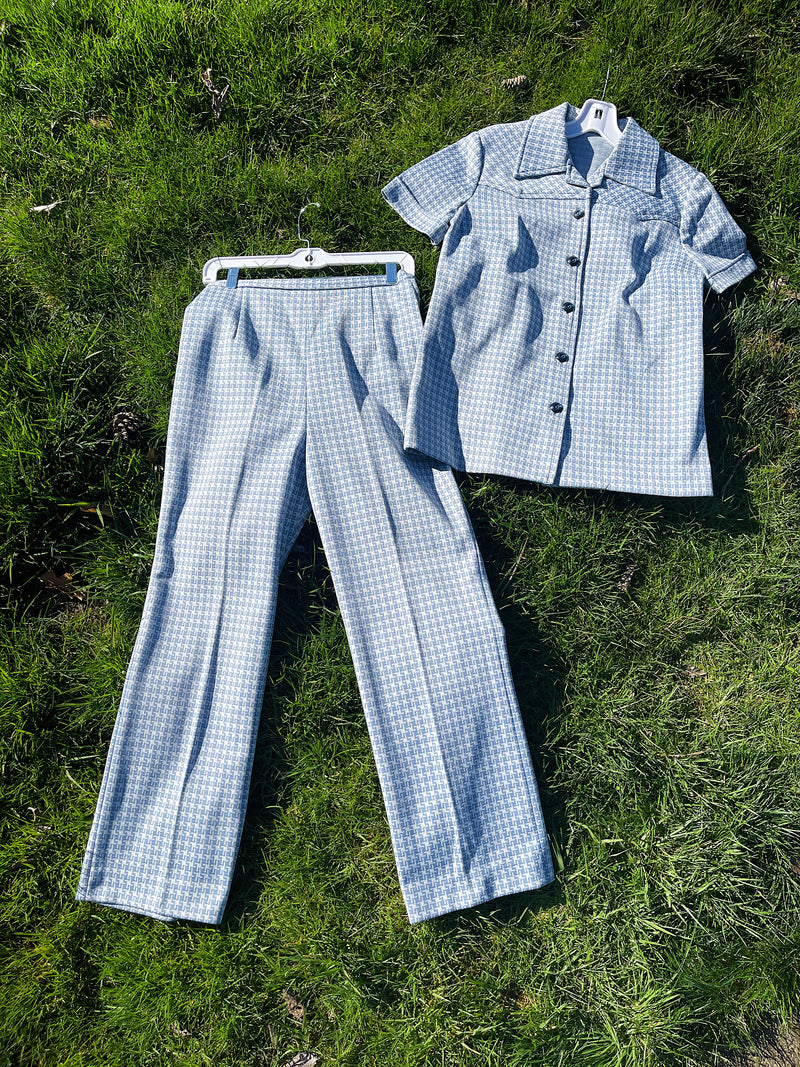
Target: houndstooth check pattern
[(564, 339), (291, 395)]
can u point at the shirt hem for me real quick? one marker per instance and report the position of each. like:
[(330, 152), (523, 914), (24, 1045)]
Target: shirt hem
[(590, 483), (682, 491)]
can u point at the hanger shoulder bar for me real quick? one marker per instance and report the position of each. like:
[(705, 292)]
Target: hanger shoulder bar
[(404, 260), (306, 259)]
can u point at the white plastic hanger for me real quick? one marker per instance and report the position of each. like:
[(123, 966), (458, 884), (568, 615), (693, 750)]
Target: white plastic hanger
[(307, 258), (598, 116)]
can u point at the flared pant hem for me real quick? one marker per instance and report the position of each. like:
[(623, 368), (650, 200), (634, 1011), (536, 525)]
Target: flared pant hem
[(461, 900), (137, 908), (458, 899)]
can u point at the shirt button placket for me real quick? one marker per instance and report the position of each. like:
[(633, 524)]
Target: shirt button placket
[(572, 259), (570, 306)]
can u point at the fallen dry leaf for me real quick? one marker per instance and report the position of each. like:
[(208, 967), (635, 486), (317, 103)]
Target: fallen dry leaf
[(303, 1059), (48, 207), (623, 583), (293, 1006), (218, 96), (61, 583), (92, 509)]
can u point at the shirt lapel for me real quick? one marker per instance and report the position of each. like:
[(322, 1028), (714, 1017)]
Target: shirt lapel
[(635, 159), (544, 146)]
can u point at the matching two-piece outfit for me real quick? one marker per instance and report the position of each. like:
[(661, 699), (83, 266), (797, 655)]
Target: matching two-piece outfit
[(563, 344)]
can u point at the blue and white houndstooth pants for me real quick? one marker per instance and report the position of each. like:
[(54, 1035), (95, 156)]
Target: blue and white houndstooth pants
[(290, 395)]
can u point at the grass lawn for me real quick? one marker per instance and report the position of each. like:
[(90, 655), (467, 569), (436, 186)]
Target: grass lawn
[(655, 643)]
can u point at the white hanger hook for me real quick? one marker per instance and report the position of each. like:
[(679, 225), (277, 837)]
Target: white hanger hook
[(608, 72), (302, 209)]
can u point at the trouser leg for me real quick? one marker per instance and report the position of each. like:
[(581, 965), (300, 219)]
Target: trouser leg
[(169, 818), (427, 643)]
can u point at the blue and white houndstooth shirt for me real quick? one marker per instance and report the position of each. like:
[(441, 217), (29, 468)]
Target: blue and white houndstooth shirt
[(564, 341)]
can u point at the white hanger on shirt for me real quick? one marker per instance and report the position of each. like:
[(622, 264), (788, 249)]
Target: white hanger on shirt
[(598, 116), (307, 258)]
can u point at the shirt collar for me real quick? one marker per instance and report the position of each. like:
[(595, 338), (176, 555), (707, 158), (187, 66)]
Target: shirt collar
[(545, 151)]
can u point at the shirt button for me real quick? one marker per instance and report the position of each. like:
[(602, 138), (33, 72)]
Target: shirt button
[(579, 213), (562, 357), (573, 261), (556, 407), (568, 307)]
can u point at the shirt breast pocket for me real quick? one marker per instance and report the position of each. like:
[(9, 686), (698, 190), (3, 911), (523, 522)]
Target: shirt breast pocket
[(638, 206), (639, 234)]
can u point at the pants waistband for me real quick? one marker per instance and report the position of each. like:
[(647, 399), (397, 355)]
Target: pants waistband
[(343, 282)]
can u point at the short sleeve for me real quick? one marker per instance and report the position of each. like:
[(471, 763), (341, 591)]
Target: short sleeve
[(711, 237), (428, 194)]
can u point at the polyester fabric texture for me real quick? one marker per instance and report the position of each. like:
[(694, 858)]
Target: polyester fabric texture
[(291, 395), (564, 339)]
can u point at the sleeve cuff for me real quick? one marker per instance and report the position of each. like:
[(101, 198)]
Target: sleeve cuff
[(398, 196), (734, 272)]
